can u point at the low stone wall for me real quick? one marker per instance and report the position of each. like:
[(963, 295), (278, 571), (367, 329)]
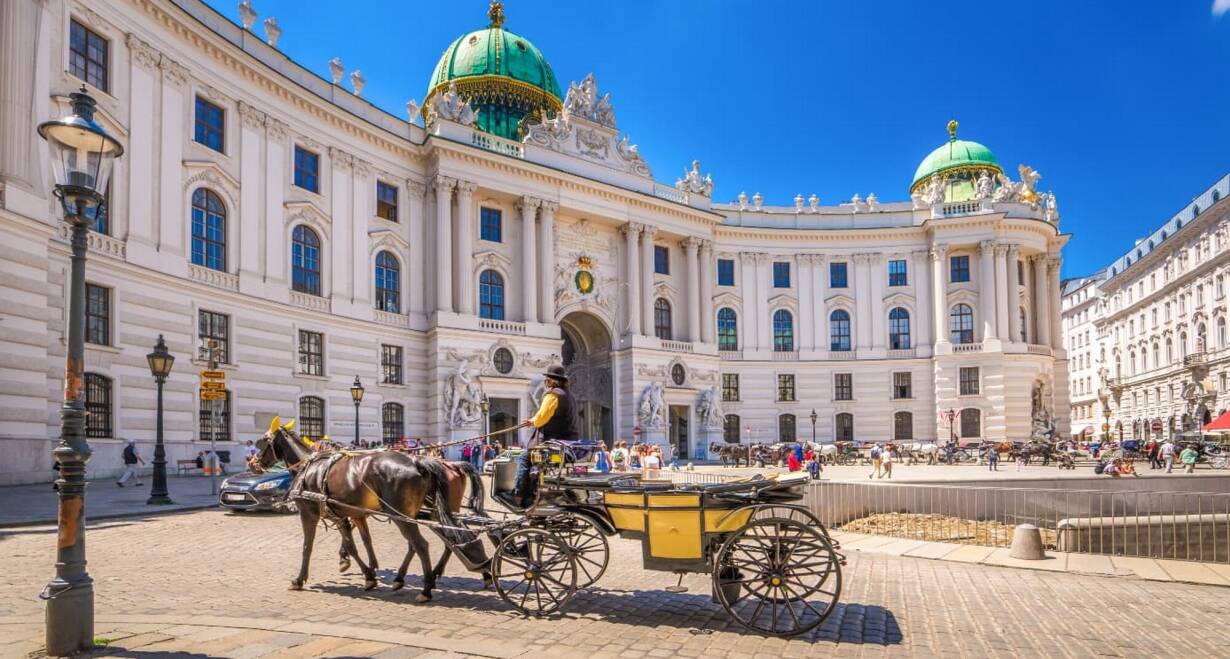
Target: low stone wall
[(1182, 537)]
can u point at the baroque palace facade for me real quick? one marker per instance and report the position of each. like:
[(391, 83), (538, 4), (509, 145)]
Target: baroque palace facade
[(1149, 355), (449, 256)]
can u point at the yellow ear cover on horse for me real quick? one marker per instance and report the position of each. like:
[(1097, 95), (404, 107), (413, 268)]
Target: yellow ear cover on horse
[(273, 425), (290, 425), (307, 441)]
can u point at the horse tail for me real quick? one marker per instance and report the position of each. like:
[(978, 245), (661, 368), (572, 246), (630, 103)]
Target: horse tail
[(478, 493)]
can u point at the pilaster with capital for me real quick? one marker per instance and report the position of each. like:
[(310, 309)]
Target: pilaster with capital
[(529, 239), (707, 320), (546, 261), (764, 279), (632, 273), (444, 242), (691, 249), (807, 313), (140, 152), (415, 196), (1041, 300), (751, 328), (862, 301), (464, 258), (251, 173), (1002, 309), (877, 277), (1053, 265), (171, 160), (361, 198), (986, 288), (647, 293), (939, 292), (922, 327), (1014, 294)]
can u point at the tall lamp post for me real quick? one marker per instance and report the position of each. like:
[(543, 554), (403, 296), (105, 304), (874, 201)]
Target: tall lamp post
[(160, 362), (356, 394), (814, 416), (82, 154)]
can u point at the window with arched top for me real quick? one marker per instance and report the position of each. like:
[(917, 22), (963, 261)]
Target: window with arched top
[(1183, 344), (311, 422), (727, 329), (839, 330), (208, 230), (491, 295), (1132, 363), (961, 324), (305, 260), (1221, 333), (1157, 355), (903, 425), (971, 422), (388, 283), (783, 331), (662, 321), (898, 329)]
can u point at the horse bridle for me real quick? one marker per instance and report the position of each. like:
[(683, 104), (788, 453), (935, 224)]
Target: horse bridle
[(264, 444)]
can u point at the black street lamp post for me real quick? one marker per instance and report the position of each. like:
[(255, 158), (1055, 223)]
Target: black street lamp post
[(160, 362), (82, 154), (356, 393), (814, 416), (485, 406)]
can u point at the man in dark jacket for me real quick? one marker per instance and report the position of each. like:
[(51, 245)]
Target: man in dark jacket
[(556, 418)]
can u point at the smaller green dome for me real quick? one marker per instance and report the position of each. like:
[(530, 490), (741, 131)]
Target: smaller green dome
[(955, 155)]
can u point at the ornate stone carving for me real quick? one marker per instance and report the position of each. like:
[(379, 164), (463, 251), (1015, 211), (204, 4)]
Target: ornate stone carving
[(693, 183), (593, 143), (757, 200), (987, 246), (652, 409), (938, 251), (272, 32), (633, 228), (933, 193), (247, 14), (143, 54), (552, 133), (415, 189), (814, 203), (1028, 191), (336, 70), (742, 201), (444, 184), (362, 169), (412, 109), (984, 187), (709, 408), (1051, 207), (250, 117), (586, 127), (856, 202), (276, 130), (173, 73), (798, 203), (529, 203), (357, 82), (582, 101), (462, 396), (1007, 190), (650, 371), (873, 202), (340, 159), (451, 107)]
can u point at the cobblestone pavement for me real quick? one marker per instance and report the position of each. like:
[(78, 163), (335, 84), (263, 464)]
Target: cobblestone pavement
[(211, 563), (33, 504)]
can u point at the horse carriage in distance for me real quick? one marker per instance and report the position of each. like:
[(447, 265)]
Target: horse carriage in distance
[(773, 566)]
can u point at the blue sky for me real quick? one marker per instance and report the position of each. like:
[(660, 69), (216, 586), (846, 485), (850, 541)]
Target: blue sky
[(1123, 107)]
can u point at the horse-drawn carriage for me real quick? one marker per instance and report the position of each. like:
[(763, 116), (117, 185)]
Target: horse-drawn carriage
[(773, 566)]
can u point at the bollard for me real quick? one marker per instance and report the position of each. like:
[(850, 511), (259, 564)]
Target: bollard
[(1027, 543)]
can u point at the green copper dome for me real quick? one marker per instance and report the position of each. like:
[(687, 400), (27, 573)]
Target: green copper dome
[(956, 156), (503, 75)]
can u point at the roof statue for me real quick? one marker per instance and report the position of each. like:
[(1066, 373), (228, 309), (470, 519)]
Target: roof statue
[(583, 101), (496, 13), (693, 183), (450, 106), (585, 126)]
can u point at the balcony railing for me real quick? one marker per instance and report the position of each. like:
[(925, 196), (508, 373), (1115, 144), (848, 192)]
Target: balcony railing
[(1195, 359), (214, 277), (96, 242), (730, 355), (308, 301), (497, 144), (902, 353), (785, 356), (669, 193), (677, 346), (394, 319), (502, 326), (967, 347), (843, 355), (961, 208), (1038, 350)]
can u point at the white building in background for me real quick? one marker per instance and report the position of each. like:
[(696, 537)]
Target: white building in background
[(1160, 355), (315, 237)]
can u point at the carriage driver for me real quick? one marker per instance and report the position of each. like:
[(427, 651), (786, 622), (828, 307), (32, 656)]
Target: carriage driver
[(556, 419)]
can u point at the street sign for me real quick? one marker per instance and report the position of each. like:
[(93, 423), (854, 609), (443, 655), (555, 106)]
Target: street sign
[(213, 375), (213, 385), (208, 394)]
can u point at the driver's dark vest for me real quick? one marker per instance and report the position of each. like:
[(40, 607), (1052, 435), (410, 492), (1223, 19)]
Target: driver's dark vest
[(563, 424)]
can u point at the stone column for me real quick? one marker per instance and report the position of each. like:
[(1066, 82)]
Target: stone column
[(862, 302), (986, 288), (647, 292), (1002, 309), (139, 151), (691, 247), (23, 93), (707, 320), (361, 203), (805, 323), (877, 275), (416, 268), (939, 292), (277, 239), (464, 258), (340, 281), (1042, 306), (632, 303), (820, 318), (922, 324), (750, 339), (546, 262), (171, 161), (1014, 295), (764, 279), (1052, 298), (251, 171), (529, 266), (444, 243)]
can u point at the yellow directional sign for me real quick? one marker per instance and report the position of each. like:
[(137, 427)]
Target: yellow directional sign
[(210, 385), (207, 394), (213, 375)]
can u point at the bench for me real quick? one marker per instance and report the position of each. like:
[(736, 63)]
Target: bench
[(184, 466)]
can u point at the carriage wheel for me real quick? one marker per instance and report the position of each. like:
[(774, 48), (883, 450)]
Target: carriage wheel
[(534, 572), (587, 542), (777, 576)]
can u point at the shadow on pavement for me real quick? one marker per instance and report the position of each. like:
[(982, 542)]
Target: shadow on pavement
[(848, 623)]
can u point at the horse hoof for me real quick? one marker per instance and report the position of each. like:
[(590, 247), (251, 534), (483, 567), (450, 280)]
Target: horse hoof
[(343, 565), (369, 584), (422, 598), (296, 585), (398, 584)]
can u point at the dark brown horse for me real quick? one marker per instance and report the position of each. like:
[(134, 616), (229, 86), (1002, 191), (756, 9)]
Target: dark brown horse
[(363, 483)]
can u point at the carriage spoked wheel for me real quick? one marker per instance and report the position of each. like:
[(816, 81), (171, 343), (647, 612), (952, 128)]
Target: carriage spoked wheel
[(588, 543), (534, 571), (777, 576)]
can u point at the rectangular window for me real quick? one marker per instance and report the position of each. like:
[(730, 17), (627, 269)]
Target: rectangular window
[(210, 124), (215, 419), (903, 386), (837, 275), (969, 381), (390, 364), (958, 269), (97, 315), (97, 406), (311, 353), (491, 225), (897, 273), (785, 388), (843, 386), (88, 55), (307, 170), (661, 260), (730, 387), (386, 201), (726, 272), (213, 331), (781, 275)]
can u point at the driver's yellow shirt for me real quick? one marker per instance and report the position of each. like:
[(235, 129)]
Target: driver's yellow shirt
[(546, 410)]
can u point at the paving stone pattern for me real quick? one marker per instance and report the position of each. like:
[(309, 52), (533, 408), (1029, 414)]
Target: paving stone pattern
[(211, 563)]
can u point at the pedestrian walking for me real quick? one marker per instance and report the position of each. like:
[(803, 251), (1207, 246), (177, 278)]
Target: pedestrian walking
[(1188, 457), (1154, 451), (887, 457), (602, 461), (877, 453), (993, 459), (131, 460), (1168, 455), (619, 457)]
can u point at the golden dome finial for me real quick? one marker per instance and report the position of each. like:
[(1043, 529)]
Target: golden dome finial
[(952, 129), (496, 13)]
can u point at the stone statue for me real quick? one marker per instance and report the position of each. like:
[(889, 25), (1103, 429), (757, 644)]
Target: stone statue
[(813, 202), (652, 410), (857, 202), (873, 202), (336, 70), (693, 182), (1029, 182), (462, 396), (1007, 190), (450, 106), (709, 409), (984, 187), (916, 198), (1051, 206), (357, 82), (933, 194), (742, 201), (604, 112), (412, 109)]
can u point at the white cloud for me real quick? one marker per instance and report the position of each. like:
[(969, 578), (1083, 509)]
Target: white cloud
[(1220, 7)]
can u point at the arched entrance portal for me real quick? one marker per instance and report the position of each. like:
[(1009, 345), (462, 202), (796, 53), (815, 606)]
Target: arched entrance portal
[(586, 354)]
